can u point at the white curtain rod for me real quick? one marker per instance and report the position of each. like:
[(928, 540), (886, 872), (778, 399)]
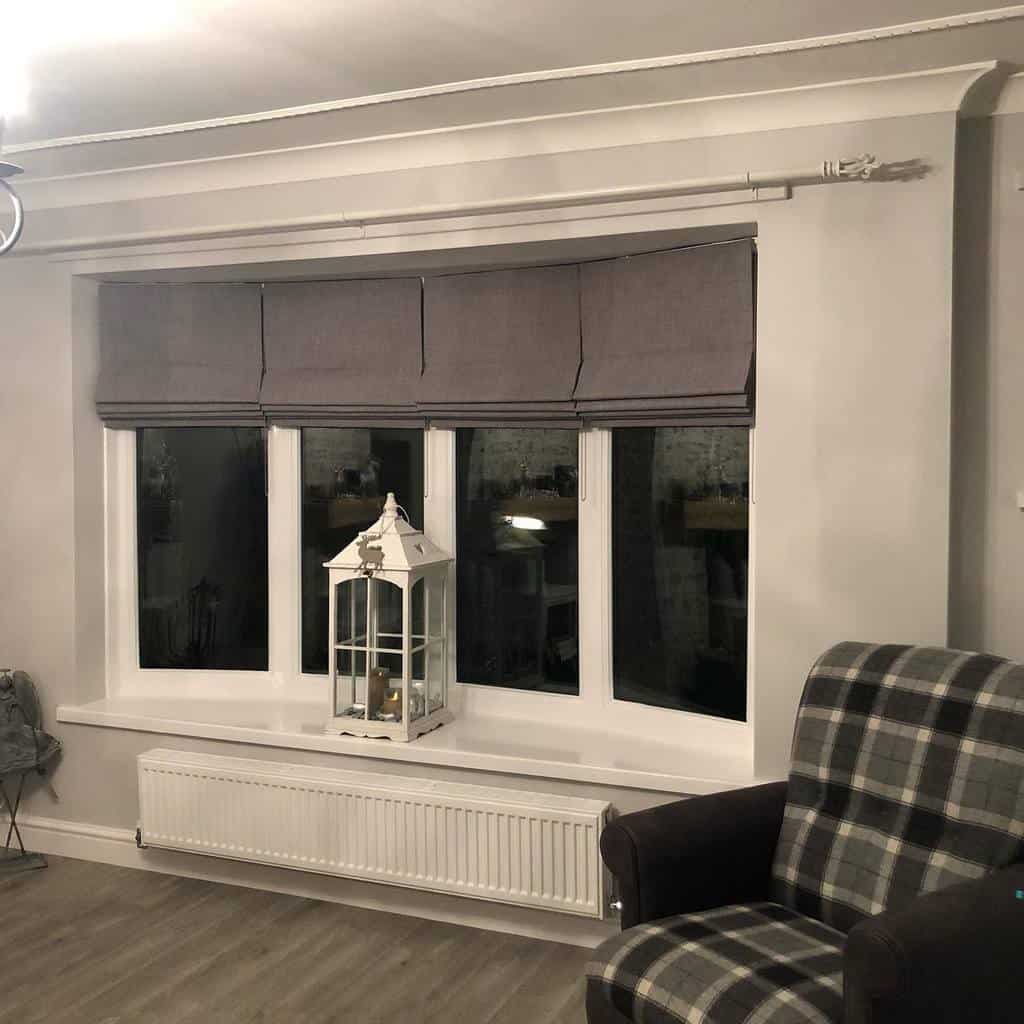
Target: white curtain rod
[(859, 168)]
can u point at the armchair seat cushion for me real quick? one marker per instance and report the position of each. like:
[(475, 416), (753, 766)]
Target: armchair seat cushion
[(753, 963)]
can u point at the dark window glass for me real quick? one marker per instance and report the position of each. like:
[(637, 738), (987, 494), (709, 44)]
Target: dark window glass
[(202, 525), (679, 536), (346, 475), (517, 528)]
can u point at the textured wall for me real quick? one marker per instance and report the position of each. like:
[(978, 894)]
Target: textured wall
[(987, 552)]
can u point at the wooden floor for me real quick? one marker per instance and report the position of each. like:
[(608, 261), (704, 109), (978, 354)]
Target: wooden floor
[(85, 943)]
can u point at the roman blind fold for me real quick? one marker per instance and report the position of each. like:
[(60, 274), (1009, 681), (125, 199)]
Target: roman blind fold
[(668, 337), (179, 354), (501, 347), (342, 352)]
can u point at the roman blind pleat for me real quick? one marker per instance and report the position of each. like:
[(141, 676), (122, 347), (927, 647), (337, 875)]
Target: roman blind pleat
[(501, 347), (343, 352), (179, 354), (668, 337)]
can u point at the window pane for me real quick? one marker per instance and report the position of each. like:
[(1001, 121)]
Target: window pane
[(679, 536), (517, 558), (346, 474), (202, 525)]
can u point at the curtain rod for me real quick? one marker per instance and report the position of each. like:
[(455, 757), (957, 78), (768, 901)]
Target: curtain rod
[(859, 168)]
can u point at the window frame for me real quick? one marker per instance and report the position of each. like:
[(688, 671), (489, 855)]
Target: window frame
[(594, 707)]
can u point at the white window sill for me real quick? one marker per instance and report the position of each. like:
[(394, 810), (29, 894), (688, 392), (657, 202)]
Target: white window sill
[(511, 746)]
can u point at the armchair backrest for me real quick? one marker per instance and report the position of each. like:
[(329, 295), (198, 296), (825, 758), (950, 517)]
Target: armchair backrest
[(907, 776)]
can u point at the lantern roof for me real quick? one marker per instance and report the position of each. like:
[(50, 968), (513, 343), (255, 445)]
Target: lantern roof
[(391, 544)]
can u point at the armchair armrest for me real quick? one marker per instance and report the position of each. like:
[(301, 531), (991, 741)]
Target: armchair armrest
[(952, 955), (695, 854)]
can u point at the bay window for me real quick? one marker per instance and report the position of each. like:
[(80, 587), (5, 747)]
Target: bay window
[(577, 436)]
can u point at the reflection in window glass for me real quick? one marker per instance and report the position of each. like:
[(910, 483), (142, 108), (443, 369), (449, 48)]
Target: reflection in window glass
[(346, 475), (679, 535), (517, 528), (202, 543)]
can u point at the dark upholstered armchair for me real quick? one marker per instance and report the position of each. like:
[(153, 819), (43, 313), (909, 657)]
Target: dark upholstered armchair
[(883, 884)]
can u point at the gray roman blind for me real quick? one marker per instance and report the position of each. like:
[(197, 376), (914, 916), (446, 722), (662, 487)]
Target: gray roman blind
[(501, 347), (668, 337), (179, 354), (342, 352)]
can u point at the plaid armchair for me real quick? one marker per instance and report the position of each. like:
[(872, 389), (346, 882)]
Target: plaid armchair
[(883, 884)]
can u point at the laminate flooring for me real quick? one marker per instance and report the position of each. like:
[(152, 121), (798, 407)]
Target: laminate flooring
[(86, 943)]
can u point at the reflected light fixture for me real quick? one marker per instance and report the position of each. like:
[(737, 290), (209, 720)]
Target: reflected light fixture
[(10, 230), (525, 523)]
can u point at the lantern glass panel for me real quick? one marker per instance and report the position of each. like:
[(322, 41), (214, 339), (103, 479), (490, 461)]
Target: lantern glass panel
[(417, 605), (435, 606), (387, 616), (350, 683), (350, 612), (385, 683), (418, 694), (435, 676)]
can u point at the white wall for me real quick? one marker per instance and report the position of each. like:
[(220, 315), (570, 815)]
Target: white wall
[(37, 526), (852, 455), (851, 459), (987, 593)]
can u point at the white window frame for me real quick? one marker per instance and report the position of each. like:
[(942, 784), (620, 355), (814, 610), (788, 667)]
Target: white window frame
[(595, 707)]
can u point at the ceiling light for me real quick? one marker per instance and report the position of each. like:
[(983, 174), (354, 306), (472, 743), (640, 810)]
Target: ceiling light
[(70, 24), (64, 25)]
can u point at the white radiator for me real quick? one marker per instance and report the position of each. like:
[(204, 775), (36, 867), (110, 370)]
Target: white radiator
[(531, 849)]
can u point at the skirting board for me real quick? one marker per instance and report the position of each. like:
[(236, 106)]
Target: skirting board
[(116, 846)]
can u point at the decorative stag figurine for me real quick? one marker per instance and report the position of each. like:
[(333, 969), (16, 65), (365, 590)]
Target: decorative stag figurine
[(371, 555)]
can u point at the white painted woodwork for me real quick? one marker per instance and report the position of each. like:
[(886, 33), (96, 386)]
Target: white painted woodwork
[(551, 746), (501, 138), (527, 849)]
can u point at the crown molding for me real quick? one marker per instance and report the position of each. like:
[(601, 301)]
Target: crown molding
[(941, 90), (1011, 100), (902, 30)]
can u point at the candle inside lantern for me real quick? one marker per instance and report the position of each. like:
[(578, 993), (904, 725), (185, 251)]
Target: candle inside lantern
[(377, 690), (392, 705)]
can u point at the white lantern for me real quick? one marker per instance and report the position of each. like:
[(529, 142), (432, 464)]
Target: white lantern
[(388, 632)]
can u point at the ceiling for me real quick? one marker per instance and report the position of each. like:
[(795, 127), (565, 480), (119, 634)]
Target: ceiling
[(118, 70)]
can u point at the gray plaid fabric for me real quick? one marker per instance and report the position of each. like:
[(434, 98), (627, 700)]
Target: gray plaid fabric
[(907, 776), (757, 963)]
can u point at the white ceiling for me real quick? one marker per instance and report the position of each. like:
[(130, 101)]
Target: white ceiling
[(217, 58)]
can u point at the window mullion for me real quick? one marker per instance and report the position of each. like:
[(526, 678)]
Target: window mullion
[(284, 538), (439, 525), (595, 573)]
